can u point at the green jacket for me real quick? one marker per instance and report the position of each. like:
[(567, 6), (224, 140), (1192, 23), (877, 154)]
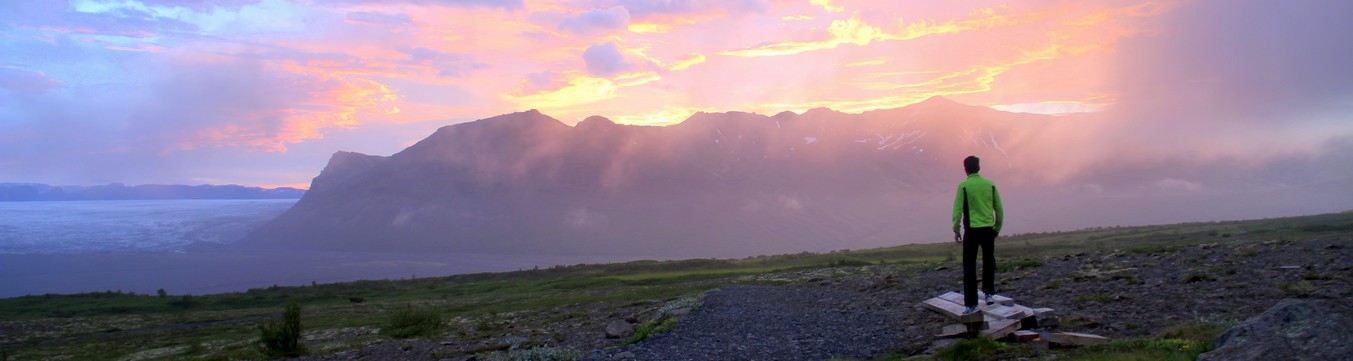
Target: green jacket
[(983, 201)]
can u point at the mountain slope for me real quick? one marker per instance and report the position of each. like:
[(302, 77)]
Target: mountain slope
[(716, 184)]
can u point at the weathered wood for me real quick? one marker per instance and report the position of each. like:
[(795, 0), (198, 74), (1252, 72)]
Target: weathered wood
[(999, 329), (1005, 312), (1046, 317), (1075, 338), (953, 330), (1025, 335), (954, 297), (952, 310)]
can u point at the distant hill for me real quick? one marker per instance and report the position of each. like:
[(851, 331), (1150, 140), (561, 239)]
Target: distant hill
[(20, 192)]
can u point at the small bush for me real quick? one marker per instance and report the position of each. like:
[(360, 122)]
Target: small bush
[(413, 322), (649, 328), (283, 338), (1198, 275)]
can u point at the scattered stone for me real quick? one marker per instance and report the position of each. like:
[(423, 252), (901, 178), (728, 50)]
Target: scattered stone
[(623, 356), (1292, 328), (679, 312), (619, 329)]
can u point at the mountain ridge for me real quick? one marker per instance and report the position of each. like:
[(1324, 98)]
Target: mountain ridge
[(736, 181)]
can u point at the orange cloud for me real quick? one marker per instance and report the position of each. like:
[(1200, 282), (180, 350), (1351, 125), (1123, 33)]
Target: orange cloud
[(341, 106), (856, 31)]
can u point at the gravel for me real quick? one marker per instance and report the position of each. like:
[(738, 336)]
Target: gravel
[(773, 323)]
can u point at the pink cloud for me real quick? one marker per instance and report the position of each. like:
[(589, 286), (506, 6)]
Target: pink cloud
[(605, 60), (596, 21)]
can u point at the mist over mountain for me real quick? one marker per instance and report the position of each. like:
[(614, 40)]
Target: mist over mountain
[(737, 184), (18, 192)]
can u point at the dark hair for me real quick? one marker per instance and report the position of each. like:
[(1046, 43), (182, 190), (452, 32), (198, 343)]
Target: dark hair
[(970, 164)]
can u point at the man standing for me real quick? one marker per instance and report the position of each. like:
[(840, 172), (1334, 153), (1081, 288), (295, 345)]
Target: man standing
[(977, 207)]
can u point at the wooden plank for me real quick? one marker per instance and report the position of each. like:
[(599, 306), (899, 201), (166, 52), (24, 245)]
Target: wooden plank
[(1074, 338), (953, 330), (1002, 300), (999, 329), (952, 310), (1025, 335), (1044, 311), (955, 297), (1005, 312)]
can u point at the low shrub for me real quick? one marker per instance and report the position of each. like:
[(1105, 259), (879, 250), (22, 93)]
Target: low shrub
[(414, 322), (283, 338)]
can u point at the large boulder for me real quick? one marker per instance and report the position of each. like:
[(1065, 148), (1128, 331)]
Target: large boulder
[(1291, 330)]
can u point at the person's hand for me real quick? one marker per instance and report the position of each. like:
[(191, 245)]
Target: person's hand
[(958, 238)]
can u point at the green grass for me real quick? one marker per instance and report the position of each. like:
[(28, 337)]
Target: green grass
[(110, 325), (979, 349)]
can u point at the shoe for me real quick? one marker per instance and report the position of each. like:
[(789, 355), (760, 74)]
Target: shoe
[(969, 310), (989, 301)]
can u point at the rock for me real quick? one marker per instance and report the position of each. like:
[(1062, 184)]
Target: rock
[(623, 356), (1292, 330), (679, 312), (1333, 292), (619, 329)]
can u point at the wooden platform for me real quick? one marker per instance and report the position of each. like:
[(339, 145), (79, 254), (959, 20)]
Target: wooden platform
[(952, 310), (1004, 319)]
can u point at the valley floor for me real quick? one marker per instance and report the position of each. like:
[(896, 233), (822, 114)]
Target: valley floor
[(1178, 284)]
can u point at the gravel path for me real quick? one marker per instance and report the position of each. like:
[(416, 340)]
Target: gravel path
[(773, 323)]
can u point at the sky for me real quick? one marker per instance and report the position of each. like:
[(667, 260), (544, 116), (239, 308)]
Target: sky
[(262, 92)]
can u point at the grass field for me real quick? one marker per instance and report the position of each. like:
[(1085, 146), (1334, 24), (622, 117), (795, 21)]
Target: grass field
[(106, 325)]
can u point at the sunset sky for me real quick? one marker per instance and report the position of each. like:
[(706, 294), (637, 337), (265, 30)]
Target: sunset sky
[(262, 92)]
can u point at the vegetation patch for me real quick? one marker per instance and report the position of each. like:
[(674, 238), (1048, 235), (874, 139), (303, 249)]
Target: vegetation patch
[(1017, 264), (414, 322), (282, 338), (665, 317), (1143, 350), (1099, 297), (979, 349), (545, 353), (1299, 288)]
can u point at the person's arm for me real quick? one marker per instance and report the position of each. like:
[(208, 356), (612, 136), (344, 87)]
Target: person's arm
[(1000, 211), (958, 213)]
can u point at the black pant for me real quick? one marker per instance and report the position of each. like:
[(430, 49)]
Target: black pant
[(984, 237)]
